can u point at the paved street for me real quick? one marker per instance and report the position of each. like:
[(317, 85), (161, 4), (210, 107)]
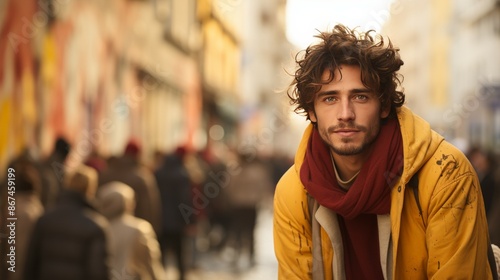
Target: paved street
[(217, 266)]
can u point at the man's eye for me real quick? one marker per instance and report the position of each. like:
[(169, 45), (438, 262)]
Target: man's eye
[(329, 99), (360, 97)]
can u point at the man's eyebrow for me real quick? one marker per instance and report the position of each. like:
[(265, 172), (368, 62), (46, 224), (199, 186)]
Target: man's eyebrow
[(327, 92), (354, 90), (360, 90)]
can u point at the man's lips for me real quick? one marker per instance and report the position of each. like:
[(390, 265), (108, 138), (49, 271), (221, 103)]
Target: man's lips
[(346, 132)]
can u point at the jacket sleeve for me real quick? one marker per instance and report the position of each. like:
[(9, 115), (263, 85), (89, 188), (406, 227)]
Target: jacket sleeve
[(98, 257), (292, 231), (147, 256), (457, 231)]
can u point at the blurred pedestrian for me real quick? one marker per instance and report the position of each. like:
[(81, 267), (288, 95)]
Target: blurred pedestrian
[(247, 189), (217, 213), (129, 170), (280, 163), (175, 191), (69, 241), (487, 172), (484, 164), (374, 192), (28, 209), (198, 225), (96, 161), (52, 172), (493, 221), (132, 241)]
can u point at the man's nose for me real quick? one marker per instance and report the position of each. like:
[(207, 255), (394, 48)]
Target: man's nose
[(346, 111)]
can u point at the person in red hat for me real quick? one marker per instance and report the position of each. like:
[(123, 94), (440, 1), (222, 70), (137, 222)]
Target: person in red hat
[(129, 170)]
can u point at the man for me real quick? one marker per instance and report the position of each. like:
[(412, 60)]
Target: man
[(52, 172), (28, 208), (70, 240), (174, 186), (346, 209)]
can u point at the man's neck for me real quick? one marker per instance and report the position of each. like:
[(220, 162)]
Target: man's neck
[(348, 166)]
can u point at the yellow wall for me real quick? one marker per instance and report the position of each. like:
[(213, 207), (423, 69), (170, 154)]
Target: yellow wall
[(440, 51)]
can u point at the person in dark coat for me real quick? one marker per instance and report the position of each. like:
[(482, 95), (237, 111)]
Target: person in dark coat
[(52, 172), (70, 240), (175, 190), (484, 164), (488, 172), (28, 209)]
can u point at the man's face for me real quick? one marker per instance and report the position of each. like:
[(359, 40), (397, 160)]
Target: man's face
[(347, 113)]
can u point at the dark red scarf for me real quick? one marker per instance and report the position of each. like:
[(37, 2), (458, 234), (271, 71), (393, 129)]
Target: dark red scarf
[(370, 192), (367, 197)]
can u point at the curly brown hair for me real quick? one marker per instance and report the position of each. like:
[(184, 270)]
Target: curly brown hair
[(379, 64)]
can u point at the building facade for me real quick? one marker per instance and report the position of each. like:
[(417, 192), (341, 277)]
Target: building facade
[(167, 73), (450, 50)]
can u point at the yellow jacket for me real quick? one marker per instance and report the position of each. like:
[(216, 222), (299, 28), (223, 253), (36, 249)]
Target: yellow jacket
[(448, 241)]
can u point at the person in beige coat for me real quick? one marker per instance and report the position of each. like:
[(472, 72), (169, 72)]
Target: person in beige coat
[(133, 243), (129, 170)]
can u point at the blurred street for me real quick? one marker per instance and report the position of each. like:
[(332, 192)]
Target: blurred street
[(217, 266)]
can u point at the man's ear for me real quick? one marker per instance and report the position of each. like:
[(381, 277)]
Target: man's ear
[(312, 116), (385, 111)]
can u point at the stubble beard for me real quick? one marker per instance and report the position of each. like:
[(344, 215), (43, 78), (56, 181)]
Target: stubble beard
[(344, 149)]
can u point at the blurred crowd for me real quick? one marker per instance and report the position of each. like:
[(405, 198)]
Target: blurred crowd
[(486, 165), (117, 218)]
